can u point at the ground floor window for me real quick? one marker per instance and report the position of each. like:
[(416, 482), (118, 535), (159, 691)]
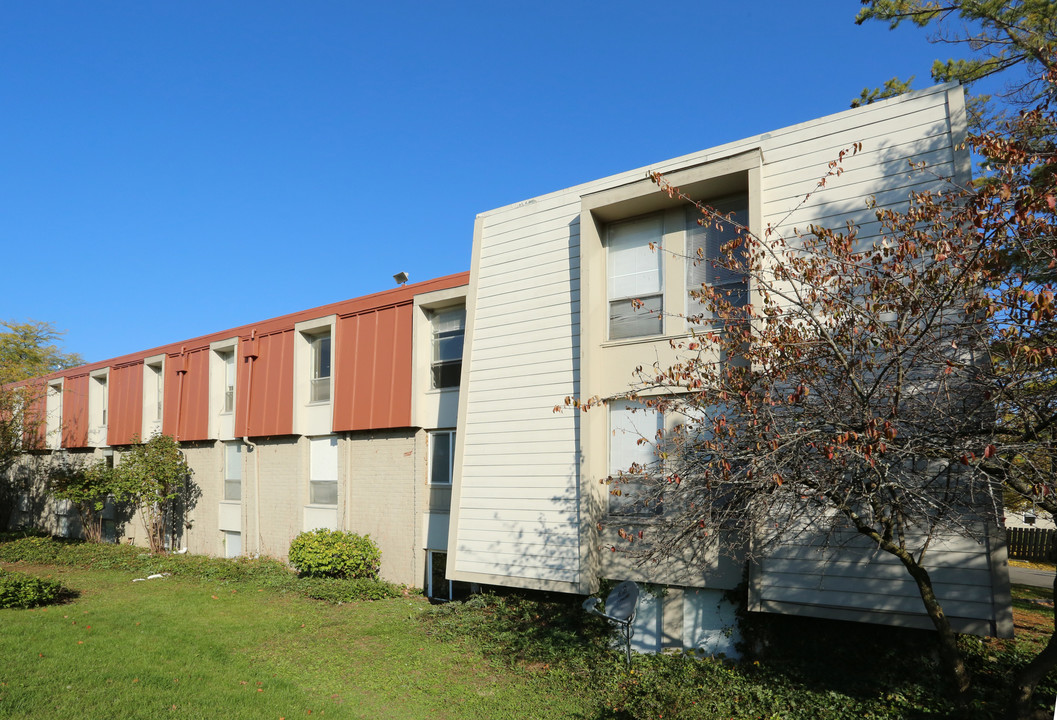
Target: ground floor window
[(323, 471), (442, 457), (232, 544), (438, 587)]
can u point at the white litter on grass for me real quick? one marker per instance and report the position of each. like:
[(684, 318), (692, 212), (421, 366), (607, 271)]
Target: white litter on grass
[(155, 576)]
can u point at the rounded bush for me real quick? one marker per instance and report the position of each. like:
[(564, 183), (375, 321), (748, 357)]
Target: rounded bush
[(18, 590), (332, 553)]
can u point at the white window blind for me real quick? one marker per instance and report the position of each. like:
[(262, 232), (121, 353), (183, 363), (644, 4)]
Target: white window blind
[(629, 423), (634, 273), (233, 471), (323, 480)]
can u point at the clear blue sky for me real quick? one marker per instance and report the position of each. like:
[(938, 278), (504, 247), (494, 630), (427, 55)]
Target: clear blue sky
[(170, 169)]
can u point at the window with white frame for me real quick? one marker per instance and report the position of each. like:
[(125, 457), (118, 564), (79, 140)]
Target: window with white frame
[(54, 414), (634, 281), (232, 544), (714, 258), (441, 457), (227, 357), (233, 471), (633, 434), (449, 329), (319, 345), (323, 473), (98, 400)]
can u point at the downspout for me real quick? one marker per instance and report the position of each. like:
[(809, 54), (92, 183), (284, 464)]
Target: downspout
[(251, 356), (181, 370), (348, 482)]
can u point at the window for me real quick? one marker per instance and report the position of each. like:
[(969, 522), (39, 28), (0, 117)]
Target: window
[(320, 389), (232, 544), (632, 458), (53, 405), (449, 327), (228, 358), (704, 245), (438, 587), (98, 400), (158, 389), (233, 471), (323, 473), (441, 457), (635, 289)]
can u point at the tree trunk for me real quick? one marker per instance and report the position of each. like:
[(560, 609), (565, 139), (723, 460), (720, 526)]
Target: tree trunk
[(948, 639), (1031, 675)]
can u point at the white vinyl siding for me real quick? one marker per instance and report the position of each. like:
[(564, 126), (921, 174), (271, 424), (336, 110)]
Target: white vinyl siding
[(850, 579), (516, 511)]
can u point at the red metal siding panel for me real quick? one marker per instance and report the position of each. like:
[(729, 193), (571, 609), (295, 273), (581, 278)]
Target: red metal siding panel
[(265, 388), (372, 382), (34, 415), (125, 404), (75, 411), (186, 406), (194, 413)]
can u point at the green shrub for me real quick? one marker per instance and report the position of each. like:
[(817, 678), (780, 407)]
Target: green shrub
[(18, 590), (332, 553), (337, 590)]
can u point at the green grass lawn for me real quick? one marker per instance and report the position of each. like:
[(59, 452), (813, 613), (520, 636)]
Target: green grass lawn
[(191, 649), (218, 639)]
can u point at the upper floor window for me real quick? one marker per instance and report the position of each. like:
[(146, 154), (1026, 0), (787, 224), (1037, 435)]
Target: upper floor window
[(54, 414), (449, 327), (320, 385), (634, 281), (708, 264), (156, 391), (227, 357), (99, 400)]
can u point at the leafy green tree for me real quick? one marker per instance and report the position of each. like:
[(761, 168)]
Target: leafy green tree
[(31, 349), (154, 475), (27, 350), (1015, 38), (87, 488)]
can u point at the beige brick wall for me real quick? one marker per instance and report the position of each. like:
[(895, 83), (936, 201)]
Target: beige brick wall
[(384, 493), (280, 466), (207, 463)]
